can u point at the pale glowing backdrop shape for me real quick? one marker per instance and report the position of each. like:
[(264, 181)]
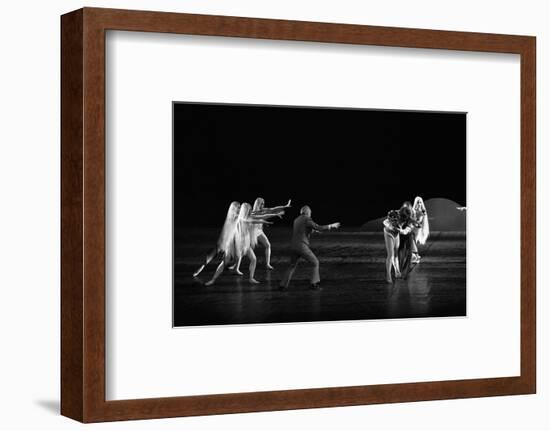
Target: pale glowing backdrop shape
[(145, 357)]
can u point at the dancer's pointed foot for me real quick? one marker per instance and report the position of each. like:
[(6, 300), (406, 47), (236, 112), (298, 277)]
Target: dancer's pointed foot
[(254, 281), (389, 280), (238, 272), (198, 271), (269, 267), (232, 267), (209, 283)]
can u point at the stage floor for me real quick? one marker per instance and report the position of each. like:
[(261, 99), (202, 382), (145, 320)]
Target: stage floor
[(352, 277)]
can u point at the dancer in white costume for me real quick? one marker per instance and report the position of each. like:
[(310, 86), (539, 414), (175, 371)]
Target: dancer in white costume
[(226, 236), (242, 243), (422, 232), (259, 209)]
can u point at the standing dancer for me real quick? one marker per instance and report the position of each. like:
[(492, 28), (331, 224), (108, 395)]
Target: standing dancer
[(407, 240), (422, 231), (226, 236), (392, 228), (303, 226), (259, 209), (242, 243)]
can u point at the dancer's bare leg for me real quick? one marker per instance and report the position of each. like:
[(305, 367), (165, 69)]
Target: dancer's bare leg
[(218, 272), (198, 271), (262, 239), (252, 267), (237, 266), (211, 255), (396, 267), (414, 248), (390, 261), (396, 257)]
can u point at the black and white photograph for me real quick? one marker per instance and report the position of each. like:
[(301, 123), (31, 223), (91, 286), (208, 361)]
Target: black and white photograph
[(305, 214), (275, 215)]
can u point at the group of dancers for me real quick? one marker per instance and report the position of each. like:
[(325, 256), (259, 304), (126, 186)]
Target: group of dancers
[(404, 230), (243, 230)]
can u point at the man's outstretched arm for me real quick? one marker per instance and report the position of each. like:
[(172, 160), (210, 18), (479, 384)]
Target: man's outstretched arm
[(322, 228)]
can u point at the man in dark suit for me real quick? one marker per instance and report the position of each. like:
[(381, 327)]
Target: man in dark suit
[(299, 247)]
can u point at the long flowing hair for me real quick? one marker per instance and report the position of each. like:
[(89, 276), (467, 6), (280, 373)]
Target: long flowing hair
[(423, 232), (227, 235), (244, 235), (259, 204)]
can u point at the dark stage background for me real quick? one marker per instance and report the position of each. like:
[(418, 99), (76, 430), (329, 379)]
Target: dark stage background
[(348, 165)]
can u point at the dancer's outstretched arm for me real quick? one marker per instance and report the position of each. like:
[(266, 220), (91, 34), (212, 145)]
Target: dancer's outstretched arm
[(257, 220), (325, 227), (255, 216), (278, 209)]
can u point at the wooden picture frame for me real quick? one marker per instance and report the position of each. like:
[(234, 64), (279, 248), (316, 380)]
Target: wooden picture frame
[(83, 214)]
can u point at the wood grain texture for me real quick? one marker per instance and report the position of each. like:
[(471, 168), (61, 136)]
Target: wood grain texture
[(72, 305), (528, 216), (94, 216), (83, 214)]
